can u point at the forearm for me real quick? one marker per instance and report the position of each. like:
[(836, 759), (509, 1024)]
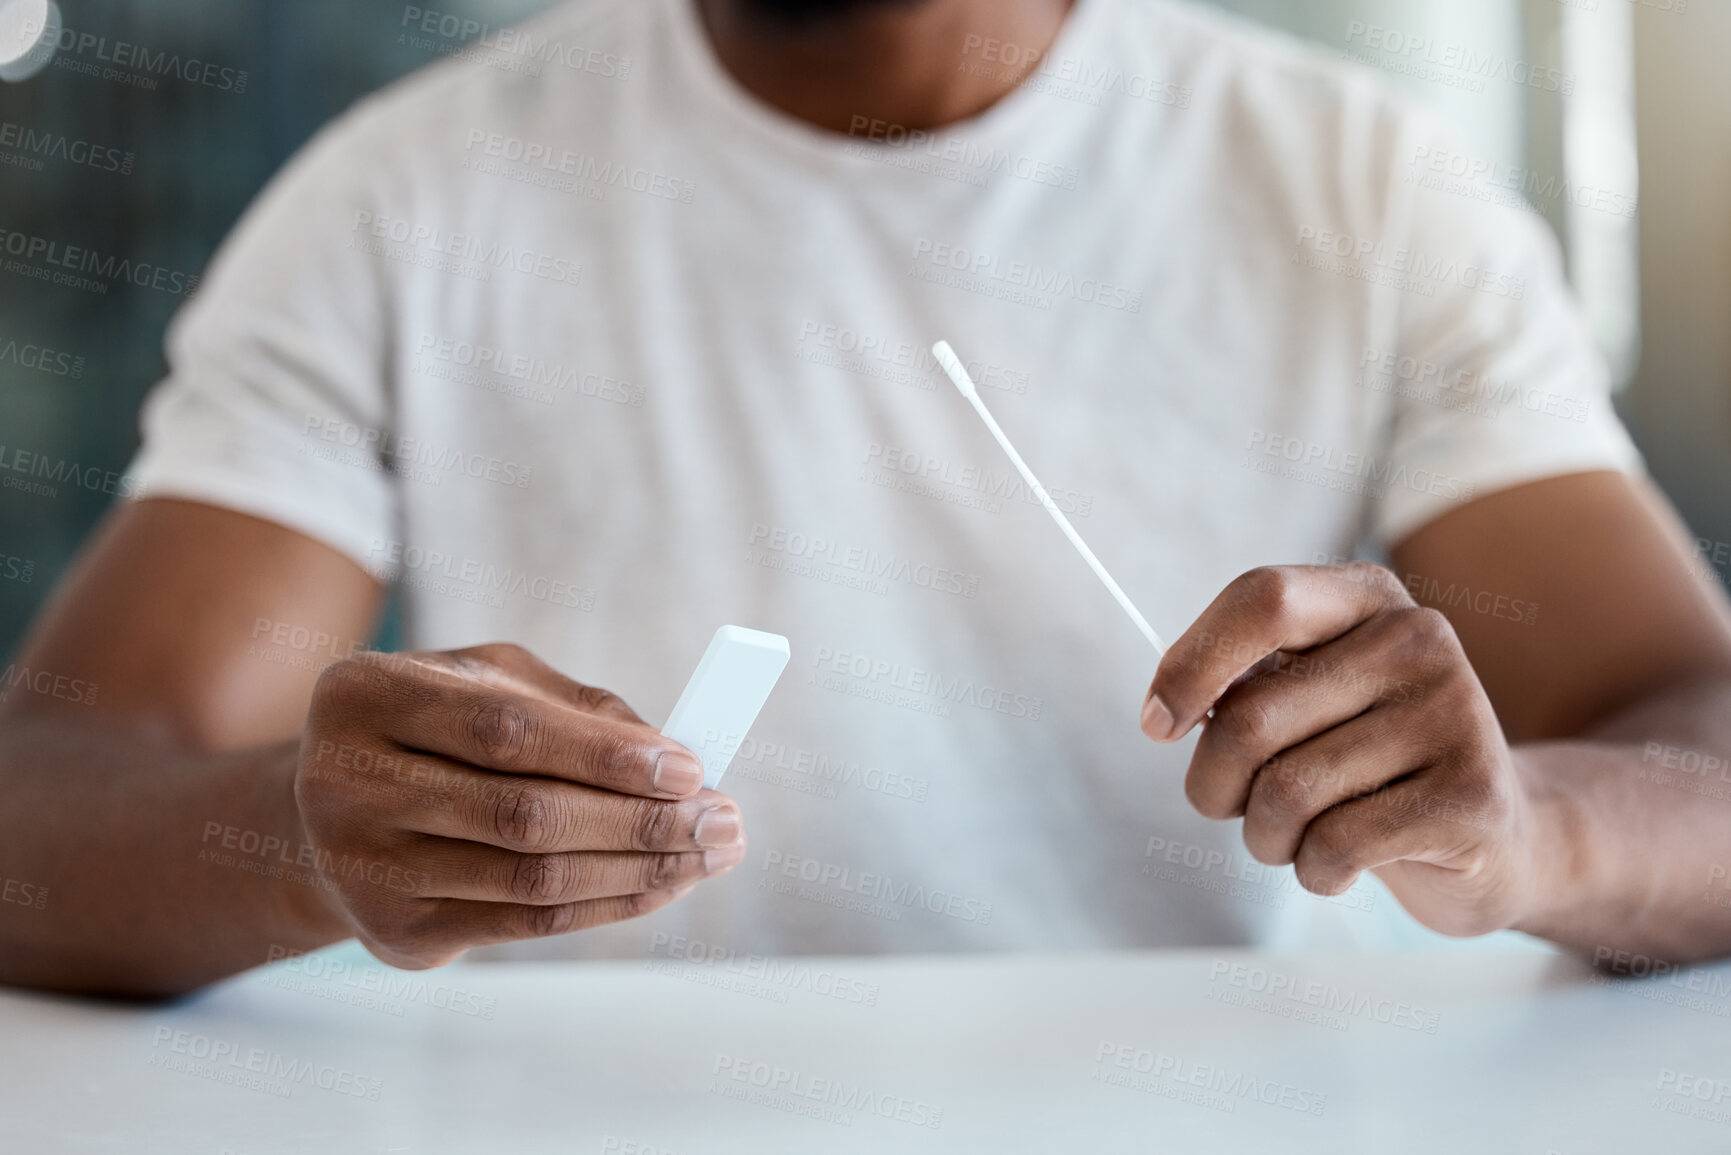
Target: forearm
[(151, 870), (1632, 831)]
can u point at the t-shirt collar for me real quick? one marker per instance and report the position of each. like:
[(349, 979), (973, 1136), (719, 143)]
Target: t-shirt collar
[(720, 97)]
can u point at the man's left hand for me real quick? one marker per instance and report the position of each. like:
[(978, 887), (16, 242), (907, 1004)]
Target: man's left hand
[(1350, 733)]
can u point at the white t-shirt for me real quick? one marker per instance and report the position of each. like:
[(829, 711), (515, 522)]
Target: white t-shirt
[(593, 352)]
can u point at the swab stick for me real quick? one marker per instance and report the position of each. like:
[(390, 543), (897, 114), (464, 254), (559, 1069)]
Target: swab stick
[(952, 365)]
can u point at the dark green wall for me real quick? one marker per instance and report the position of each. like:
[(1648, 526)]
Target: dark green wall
[(199, 153)]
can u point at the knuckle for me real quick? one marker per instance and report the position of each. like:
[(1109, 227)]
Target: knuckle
[(1330, 847), (540, 879), (666, 871), (600, 701), (496, 664), (547, 921), (659, 826), (1443, 664), (1379, 578), (596, 696), (1268, 590), (486, 658), (1285, 788), (615, 755), (523, 816), (630, 906), (1462, 717), (1430, 629), (500, 731), (466, 666), (347, 684), (502, 652), (1246, 723)]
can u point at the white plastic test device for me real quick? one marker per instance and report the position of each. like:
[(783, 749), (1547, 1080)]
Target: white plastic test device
[(721, 701)]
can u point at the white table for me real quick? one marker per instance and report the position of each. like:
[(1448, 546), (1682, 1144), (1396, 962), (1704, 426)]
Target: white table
[(1529, 1054)]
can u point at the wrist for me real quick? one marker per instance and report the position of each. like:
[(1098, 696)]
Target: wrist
[(1554, 850), (312, 914)]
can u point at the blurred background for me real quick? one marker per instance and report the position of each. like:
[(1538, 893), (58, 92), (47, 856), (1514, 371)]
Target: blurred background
[(1627, 155)]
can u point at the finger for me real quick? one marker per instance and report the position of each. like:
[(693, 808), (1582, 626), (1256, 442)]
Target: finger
[(499, 729), (1265, 611), (509, 666), (450, 926), (1350, 761), (1434, 818), (1274, 710), (425, 794), (531, 815), (488, 874)]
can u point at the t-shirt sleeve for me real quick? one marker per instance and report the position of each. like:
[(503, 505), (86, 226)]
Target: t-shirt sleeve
[(1495, 372), (275, 398)]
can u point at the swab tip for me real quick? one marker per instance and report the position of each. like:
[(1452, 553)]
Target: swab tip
[(953, 368)]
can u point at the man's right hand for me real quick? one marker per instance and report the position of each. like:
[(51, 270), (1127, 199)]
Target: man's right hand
[(478, 796)]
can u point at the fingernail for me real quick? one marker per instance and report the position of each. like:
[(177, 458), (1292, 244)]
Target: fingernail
[(728, 857), (1157, 720), (719, 826), (677, 773)]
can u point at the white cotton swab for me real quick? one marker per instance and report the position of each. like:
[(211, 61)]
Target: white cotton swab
[(958, 374)]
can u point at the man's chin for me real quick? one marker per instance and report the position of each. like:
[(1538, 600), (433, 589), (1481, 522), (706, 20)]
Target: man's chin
[(819, 11)]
